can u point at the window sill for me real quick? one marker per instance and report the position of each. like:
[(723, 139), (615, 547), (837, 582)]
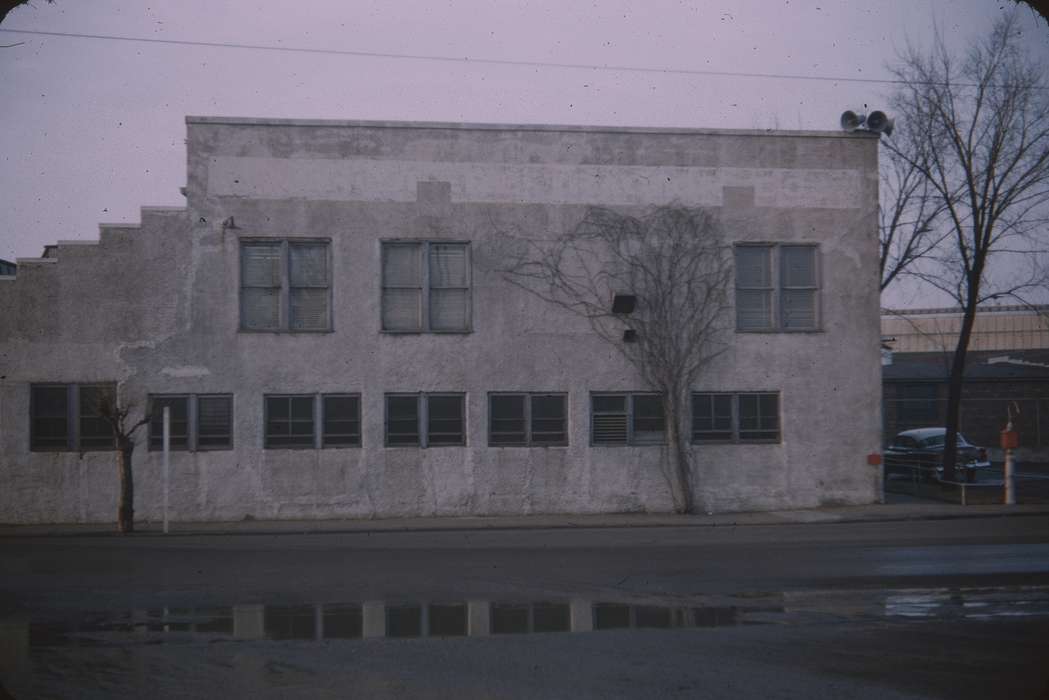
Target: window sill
[(779, 330), (386, 331), (260, 331), (736, 442), (561, 445)]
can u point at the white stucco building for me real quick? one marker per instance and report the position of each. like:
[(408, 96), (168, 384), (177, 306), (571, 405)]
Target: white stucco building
[(327, 326)]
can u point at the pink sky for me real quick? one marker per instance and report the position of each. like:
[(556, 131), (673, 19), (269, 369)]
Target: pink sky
[(93, 128)]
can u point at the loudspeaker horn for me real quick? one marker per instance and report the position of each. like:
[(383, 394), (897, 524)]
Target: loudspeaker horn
[(850, 121), (878, 121)]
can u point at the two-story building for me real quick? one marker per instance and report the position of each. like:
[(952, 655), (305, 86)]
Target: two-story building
[(328, 325)]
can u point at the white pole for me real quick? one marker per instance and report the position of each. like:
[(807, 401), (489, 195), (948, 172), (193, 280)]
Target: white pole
[(167, 455), (1010, 479)]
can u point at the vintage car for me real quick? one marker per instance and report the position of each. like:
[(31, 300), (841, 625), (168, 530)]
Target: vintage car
[(919, 453)]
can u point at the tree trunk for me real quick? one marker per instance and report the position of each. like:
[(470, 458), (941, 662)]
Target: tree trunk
[(126, 511), (954, 392), (680, 466)]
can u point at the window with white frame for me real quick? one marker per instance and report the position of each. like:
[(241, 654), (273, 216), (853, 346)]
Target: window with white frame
[(285, 285), (627, 419), (777, 287), (425, 420), (735, 417), (425, 286), (67, 417), (527, 420), (312, 421), (198, 421)]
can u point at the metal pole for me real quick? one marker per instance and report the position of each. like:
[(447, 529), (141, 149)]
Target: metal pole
[(167, 456), (1010, 479)]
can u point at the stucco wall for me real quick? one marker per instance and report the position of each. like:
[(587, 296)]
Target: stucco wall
[(156, 308)]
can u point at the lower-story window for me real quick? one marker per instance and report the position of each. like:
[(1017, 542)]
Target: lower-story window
[(627, 419), (735, 417), (536, 420), (310, 420), (425, 420), (198, 421), (67, 417)]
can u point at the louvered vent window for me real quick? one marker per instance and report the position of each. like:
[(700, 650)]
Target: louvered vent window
[(777, 287), (198, 422), (627, 419), (285, 285), (425, 286)]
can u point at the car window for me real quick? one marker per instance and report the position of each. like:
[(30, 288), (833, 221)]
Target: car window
[(963, 441), (933, 441), (905, 441)]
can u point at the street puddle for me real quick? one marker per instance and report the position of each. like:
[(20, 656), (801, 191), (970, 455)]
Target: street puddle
[(400, 619)]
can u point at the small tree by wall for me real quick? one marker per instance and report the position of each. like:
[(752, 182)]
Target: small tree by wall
[(673, 261), (117, 417)]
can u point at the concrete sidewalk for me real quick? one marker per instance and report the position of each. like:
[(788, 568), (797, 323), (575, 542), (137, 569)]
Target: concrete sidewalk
[(896, 509)]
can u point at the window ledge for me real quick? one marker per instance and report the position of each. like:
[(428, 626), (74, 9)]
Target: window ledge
[(259, 331), (779, 330), (386, 331)]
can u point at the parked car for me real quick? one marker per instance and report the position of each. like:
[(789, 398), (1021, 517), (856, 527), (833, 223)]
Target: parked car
[(922, 448)]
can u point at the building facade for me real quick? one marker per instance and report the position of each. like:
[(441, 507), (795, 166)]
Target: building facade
[(327, 322)]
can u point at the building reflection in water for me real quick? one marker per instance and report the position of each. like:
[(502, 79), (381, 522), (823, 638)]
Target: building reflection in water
[(369, 619)]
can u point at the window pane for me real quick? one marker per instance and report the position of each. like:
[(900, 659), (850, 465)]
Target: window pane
[(711, 417), (260, 309), (753, 309), (402, 420), (798, 266), (448, 265), (401, 309), (614, 403), (506, 420), (445, 420), (759, 417), (341, 420), (95, 431), (400, 264), (214, 421), (799, 308), (308, 264), (448, 309), (548, 420), (309, 309), (178, 407), (290, 421), (50, 425), (302, 408), (649, 425), (260, 265), (752, 266)]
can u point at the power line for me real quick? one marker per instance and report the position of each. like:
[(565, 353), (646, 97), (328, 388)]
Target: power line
[(457, 59)]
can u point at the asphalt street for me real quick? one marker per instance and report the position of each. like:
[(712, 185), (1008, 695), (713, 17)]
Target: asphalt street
[(930, 608)]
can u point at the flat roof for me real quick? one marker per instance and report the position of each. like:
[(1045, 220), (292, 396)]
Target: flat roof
[(474, 126)]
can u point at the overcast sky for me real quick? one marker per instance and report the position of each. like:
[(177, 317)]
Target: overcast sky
[(93, 128)]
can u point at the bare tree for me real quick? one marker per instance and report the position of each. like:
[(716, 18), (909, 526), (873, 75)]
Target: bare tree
[(908, 218), (117, 417), (978, 134), (673, 262)]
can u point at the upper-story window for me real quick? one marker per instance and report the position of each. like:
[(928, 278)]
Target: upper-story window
[(425, 286), (68, 417), (777, 287), (285, 285)]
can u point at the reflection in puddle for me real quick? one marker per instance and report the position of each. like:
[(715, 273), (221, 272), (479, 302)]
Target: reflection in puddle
[(481, 618)]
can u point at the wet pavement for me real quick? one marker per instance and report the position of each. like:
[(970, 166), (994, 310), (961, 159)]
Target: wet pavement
[(896, 608)]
